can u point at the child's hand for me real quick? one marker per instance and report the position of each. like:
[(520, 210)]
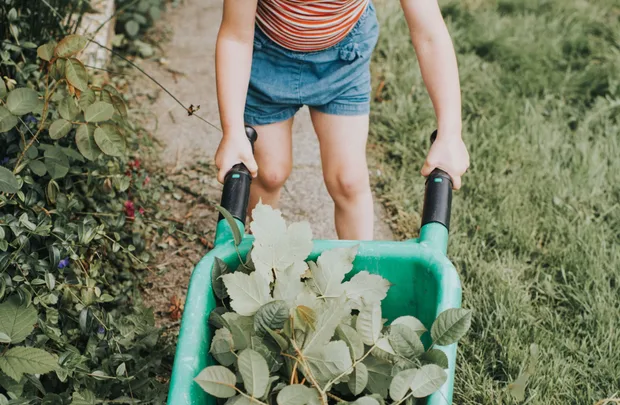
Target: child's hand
[(450, 155), (234, 148)]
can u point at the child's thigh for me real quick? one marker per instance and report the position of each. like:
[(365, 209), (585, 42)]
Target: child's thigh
[(273, 150), (342, 141)]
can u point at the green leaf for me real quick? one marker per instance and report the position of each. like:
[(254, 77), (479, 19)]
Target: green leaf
[(451, 325), (401, 384), (276, 247), (57, 70), (84, 397), (241, 328), (22, 101), (352, 339), (254, 372), (7, 120), (383, 349), (366, 401), (271, 356), (295, 394), (10, 385), (99, 111), (427, 380), (70, 45), (369, 324), (279, 339), (8, 181), (56, 163), (411, 322), (288, 286), (60, 128), (50, 280), (405, 341), (358, 379), (329, 315), (3, 400), (86, 142), (37, 167), (17, 321), (219, 269), (304, 318), (247, 292), (4, 338), (379, 375), (72, 154), (22, 360), (121, 370), (222, 347), (119, 106), (435, 356), (366, 289), (76, 74), (331, 267), (46, 52), (232, 223), (329, 361), (3, 89), (86, 99), (68, 108), (217, 381), (132, 28), (109, 140), (271, 315)]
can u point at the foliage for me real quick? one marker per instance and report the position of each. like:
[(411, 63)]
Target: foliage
[(40, 21), (535, 230), (298, 334), (73, 228), (134, 18)]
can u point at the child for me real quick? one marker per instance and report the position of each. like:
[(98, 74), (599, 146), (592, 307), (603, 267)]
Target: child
[(317, 53)]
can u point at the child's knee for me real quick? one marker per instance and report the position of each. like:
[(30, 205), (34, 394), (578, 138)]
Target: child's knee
[(273, 177), (348, 184)]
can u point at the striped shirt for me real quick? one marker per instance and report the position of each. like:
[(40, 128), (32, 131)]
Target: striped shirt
[(308, 25)]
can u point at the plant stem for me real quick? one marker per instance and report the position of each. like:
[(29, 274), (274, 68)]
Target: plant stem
[(406, 397), (355, 363), (251, 398)]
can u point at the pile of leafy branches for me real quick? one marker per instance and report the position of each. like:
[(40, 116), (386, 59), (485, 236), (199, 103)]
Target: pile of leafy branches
[(297, 334), (74, 217)]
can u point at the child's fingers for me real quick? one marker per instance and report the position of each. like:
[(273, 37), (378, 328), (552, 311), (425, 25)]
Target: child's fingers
[(251, 165), (456, 182), (221, 174), (427, 169)]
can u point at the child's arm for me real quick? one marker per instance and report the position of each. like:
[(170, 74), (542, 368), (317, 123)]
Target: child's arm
[(233, 63), (437, 60)]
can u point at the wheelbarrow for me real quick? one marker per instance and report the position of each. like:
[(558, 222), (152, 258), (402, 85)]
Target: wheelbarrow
[(424, 282)]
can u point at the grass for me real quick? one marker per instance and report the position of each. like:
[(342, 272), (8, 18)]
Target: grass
[(536, 227)]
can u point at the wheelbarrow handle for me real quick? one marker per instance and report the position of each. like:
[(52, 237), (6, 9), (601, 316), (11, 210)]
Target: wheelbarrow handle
[(237, 182), (438, 196)]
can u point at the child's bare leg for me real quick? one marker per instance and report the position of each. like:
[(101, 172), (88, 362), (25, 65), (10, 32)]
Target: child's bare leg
[(343, 156), (274, 155)]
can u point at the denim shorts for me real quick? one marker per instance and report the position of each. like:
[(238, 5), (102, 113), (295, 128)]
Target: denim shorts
[(334, 81)]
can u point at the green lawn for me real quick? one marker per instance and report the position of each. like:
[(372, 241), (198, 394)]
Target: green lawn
[(536, 227)]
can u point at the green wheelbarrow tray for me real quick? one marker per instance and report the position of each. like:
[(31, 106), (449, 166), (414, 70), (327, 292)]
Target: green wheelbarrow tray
[(424, 282)]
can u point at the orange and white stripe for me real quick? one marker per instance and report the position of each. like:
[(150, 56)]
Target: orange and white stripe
[(308, 25)]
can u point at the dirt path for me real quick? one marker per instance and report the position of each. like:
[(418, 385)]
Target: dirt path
[(188, 72)]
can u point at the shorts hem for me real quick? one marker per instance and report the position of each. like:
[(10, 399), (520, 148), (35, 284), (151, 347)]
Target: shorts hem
[(343, 109), (263, 119)]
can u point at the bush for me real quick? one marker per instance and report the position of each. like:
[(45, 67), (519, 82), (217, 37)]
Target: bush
[(73, 224)]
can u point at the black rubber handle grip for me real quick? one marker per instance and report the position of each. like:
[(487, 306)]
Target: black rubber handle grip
[(438, 196), (236, 193)]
